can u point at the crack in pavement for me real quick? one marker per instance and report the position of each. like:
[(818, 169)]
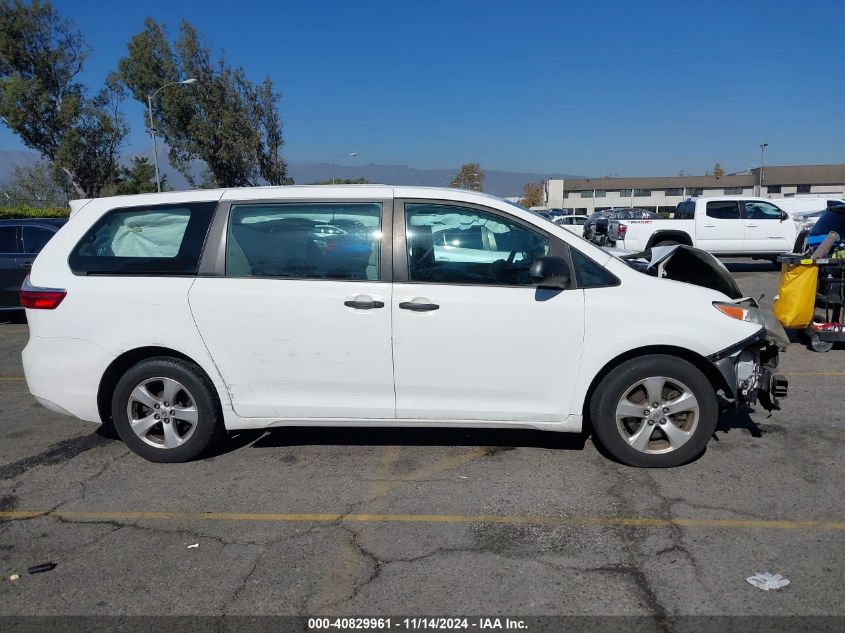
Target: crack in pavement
[(237, 590), (675, 530), (633, 550)]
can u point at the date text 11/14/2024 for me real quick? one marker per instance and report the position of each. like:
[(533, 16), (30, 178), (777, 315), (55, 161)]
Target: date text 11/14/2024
[(416, 624)]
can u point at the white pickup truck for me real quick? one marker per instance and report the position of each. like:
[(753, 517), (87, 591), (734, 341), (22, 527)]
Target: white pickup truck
[(724, 225)]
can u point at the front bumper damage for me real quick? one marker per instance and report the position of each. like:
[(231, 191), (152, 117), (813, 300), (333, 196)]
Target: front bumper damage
[(749, 368)]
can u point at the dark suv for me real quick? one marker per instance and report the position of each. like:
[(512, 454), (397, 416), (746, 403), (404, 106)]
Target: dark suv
[(20, 242)]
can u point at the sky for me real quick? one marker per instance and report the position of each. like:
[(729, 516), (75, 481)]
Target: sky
[(590, 88)]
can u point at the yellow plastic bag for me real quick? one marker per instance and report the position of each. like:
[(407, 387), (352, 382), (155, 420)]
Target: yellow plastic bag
[(796, 301)]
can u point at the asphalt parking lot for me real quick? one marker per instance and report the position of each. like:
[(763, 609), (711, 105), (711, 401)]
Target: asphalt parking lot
[(428, 522)]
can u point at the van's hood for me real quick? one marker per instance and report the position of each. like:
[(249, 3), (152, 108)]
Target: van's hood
[(686, 264)]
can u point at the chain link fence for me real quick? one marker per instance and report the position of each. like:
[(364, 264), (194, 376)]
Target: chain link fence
[(7, 200)]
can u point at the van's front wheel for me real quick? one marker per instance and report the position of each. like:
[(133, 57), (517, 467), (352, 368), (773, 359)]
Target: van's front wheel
[(165, 410), (655, 411)]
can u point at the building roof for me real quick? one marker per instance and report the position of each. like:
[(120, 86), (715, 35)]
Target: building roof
[(659, 182), (772, 175), (803, 175)]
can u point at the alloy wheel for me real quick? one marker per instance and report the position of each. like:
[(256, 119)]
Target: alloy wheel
[(162, 412), (657, 415)]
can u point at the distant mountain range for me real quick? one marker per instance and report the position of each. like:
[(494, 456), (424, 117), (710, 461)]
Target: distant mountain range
[(499, 183)]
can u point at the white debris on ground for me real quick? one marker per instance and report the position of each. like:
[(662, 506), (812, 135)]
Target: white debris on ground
[(766, 580), (192, 546)]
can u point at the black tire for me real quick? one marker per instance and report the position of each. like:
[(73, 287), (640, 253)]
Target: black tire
[(616, 384), (817, 345), (198, 393), (666, 243)]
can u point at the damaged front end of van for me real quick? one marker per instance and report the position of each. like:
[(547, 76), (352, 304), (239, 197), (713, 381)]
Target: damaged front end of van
[(748, 367)]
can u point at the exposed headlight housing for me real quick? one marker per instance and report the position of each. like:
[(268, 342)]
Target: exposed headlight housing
[(746, 313)]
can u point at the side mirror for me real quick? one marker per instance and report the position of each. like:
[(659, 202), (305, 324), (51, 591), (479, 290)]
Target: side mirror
[(784, 216), (550, 272)]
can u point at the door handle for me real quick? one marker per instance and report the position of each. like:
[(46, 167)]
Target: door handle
[(364, 305), (709, 226), (752, 226), (418, 307)]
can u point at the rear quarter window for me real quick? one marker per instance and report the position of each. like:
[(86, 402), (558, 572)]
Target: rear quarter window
[(155, 240), (8, 239), (723, 210)]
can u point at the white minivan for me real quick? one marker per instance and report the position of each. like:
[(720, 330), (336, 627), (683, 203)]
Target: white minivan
[(179, 316)]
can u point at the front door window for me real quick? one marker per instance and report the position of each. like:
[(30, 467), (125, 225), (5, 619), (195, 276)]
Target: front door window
[(459, 245)]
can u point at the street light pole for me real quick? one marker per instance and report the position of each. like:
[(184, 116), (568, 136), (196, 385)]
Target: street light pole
[(155, 147), (152, 124), (763, 147), (352, 154)]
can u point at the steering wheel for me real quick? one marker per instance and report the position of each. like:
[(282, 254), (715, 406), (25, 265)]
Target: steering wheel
[(517, 249)]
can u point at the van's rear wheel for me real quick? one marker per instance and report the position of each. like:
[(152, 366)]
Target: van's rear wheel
[(654, 411), (667, 243), (166, 410)]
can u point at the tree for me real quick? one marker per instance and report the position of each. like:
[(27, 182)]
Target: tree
[(718, 170), (533, 194), (40, 100), (42, 181), (139, 177), (224, 120), (470, 176)]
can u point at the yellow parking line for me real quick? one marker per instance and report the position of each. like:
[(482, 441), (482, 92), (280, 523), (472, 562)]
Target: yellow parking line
[(555, 521), (11, 378)]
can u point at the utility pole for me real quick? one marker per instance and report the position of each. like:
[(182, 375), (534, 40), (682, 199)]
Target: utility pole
[(763, 147)]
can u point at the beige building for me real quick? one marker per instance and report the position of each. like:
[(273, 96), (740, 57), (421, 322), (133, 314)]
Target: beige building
[(586, 195)]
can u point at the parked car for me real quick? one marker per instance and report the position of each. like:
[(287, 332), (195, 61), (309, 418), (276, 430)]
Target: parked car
[(20, 242), (802, 205), (179, 316), (806, 211), (572, 223), (724, 225), (598, 225)]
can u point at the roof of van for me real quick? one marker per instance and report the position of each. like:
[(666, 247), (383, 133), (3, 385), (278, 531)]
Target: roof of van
[(288, 191)]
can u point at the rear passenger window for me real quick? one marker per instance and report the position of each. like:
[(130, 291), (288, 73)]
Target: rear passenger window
[(34, 238), (8, 239), (723, 210), (334, 240), (161, 240)]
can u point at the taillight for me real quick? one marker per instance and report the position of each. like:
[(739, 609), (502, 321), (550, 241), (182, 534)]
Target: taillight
[(622, 230), (41, 298)]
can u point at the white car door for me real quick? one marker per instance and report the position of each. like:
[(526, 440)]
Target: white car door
[(719, 227), (298, 323), (473, 339), (767, 228)]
